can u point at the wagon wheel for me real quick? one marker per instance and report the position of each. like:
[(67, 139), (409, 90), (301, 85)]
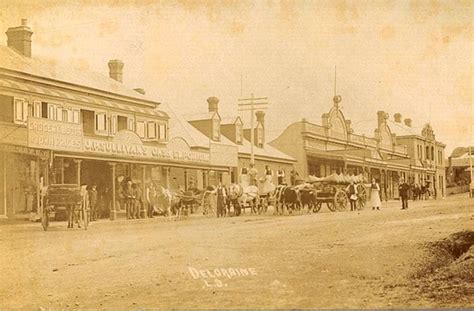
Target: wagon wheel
[(317, 207), (331, 206), (340, 200), (361, 196), (45, 219)]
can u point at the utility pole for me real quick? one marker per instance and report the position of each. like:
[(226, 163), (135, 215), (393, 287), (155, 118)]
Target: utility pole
[(251, 104), (471, 185)]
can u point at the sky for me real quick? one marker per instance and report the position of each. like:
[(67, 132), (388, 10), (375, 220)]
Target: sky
[(411, 57)]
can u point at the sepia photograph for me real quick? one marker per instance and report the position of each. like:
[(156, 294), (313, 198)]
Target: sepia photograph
[(236, 154)]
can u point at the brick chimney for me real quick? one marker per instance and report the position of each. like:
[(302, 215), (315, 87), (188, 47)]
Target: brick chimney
[(115, 69), (408, 122), (381, 117), (397, 117), (260, 117), (19, 38), (213, 104)]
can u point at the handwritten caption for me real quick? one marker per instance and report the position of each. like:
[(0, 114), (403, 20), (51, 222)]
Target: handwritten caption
[(218, 277)]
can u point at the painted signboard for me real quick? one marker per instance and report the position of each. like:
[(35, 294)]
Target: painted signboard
[(54, 135), (127, 144)]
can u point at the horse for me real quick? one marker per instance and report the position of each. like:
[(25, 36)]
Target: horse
[(425, 191), (188, 200), (169, 201)]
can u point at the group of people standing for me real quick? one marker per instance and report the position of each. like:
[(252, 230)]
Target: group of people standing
[(138, 203), (375, 201)]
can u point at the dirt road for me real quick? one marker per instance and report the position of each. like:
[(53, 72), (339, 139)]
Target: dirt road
[(325, 260)]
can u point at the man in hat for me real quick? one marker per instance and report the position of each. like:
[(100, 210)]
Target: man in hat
[(403, 190), (252, 174), (129, 199), (92, 192)]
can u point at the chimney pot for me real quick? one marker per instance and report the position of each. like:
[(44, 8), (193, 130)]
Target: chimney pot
[(19, 38), (397, 117), (381, 117), (213, 104), (408, 122), (116, 69)]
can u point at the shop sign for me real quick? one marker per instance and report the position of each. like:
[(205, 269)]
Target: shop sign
[(224, 155), (54, 135), (24, 150), (132, 148)]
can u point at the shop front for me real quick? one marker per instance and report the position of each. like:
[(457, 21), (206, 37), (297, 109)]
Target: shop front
[(110, 162), (22, 172)]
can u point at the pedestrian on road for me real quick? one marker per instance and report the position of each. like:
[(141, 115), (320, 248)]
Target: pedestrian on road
[(375, 195), (151, 199), (92, 192), (129, 199), (138, 201), (403, 190), (280, 176), (253, 172), (352, 191), (221, 199)]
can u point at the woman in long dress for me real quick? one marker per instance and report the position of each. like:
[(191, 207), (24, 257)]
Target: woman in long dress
[(375, 195), (268, 185)]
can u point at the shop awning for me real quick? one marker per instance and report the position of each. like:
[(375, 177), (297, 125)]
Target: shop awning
[(323, 154), (77, 97)]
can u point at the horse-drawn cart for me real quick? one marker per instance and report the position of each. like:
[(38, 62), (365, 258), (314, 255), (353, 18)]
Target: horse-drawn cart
[(332, 190), (70, 197)]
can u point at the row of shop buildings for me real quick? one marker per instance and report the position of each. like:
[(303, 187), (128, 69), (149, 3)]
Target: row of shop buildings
[(62, 126)]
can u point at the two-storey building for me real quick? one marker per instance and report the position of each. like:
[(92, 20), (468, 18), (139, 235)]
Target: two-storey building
[(63, 126), (333, 147), (232, 131)]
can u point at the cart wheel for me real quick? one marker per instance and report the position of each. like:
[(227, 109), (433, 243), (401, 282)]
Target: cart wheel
[(331, 206), (317, 207), (361, 196), (340, 200), (45, 219)]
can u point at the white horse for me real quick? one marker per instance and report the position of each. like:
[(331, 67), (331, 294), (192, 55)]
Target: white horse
[(168, 201)]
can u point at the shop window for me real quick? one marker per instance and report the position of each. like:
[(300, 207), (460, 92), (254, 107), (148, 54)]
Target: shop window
[(131, 124), (87, 121), (21, 110), (44, 110), (151, 130), (121, 123), (7, 111), (113, 125), (59, 113), (162, 135), (141, 129), (52, 112), (75, 116), (100, 122), (35, 109)]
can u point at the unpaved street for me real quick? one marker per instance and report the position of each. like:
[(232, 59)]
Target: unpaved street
[(336, 260)]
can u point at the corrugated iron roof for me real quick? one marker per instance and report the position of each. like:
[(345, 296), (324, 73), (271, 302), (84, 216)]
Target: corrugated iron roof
[(63, 94), (12, 60), (401, 129)]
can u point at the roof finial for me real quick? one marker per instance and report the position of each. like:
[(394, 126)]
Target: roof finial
[(337, 98)]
